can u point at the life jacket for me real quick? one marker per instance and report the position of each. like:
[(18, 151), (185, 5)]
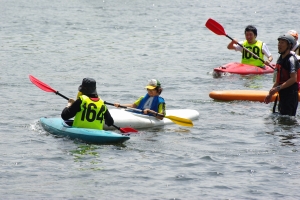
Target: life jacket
[(91, 114), (256, 48), (283, 69), (78, 94), (154, 105)]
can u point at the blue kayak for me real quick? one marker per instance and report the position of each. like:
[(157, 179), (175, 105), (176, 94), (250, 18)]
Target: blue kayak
[(57, 126)]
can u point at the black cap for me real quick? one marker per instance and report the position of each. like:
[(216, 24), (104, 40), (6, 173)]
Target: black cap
[(88, 86)]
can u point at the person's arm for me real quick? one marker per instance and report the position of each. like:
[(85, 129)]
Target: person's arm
[(126, 105), (161, 110), (155, 114), (290, 81), (133, 105), (232, 44), (267, 53), (109, 121), (71, 109), (269, 60), (294, 67), (296, 46), (273, 90)]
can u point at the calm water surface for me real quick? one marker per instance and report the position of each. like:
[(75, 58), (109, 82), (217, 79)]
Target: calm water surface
[(236, 150)]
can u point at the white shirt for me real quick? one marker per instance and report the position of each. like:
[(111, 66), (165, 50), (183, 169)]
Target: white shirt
[(295, 47)]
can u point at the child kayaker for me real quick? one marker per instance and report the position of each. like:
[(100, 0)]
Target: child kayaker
[(151, 103), (88, 109)]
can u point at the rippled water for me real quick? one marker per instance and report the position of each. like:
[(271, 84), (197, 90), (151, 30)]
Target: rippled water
[(236, 150)]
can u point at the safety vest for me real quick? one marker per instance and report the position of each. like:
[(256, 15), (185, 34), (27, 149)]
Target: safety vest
[(256, 48), (154, 106), (283, 71), (91, 114)]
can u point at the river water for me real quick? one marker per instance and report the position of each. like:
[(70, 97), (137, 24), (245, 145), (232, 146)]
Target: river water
[(236, 150)]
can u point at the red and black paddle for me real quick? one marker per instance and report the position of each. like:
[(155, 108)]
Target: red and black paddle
[(47, 88), (219, 30)]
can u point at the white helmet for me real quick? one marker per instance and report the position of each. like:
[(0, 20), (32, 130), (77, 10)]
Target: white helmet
[(290, 39)]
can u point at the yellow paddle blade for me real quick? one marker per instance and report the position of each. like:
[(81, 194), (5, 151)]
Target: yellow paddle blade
[(180, 121)]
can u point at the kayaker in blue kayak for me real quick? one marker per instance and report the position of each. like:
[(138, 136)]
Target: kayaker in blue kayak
[(151, 103), (88, 109), (258, 47), (286, 85)]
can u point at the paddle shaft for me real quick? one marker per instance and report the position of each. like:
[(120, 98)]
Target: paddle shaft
[(176, 120), (117, 127), (63, 96), (135, 109)]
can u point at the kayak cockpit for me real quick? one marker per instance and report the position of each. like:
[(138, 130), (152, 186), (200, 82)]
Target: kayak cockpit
[(68, 123)]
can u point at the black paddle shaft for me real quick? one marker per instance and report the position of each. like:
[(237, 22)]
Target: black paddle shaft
[(63, 96)]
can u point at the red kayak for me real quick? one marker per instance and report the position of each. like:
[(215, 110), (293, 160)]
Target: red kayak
[(243, 69)]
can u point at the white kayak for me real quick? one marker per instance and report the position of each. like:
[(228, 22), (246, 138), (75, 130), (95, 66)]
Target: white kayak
[(123, 118)]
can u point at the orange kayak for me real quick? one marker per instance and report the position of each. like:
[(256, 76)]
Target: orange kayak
[(246, 95)]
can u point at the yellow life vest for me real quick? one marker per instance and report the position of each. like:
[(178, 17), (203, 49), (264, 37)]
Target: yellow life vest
[(78, 95), (256, 48), (91, 114)]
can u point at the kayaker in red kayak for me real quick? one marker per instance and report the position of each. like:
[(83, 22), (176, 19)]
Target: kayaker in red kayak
[(256, 46), (286, 84), (151, 103), (88, 109)]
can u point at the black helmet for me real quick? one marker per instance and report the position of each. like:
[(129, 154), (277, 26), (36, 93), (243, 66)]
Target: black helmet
[(291, 40)]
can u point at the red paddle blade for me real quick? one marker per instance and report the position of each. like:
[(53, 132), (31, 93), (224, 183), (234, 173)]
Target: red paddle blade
[(40, 84), (128, 130), (215, 27)]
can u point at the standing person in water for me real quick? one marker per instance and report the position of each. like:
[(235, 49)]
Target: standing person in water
[(252, 44), (286, 85), (151, 103)]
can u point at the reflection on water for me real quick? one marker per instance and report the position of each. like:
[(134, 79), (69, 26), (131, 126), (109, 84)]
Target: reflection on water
[(88, 157), (285, 128), (288, 139), (286, 122), (254, 81)]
